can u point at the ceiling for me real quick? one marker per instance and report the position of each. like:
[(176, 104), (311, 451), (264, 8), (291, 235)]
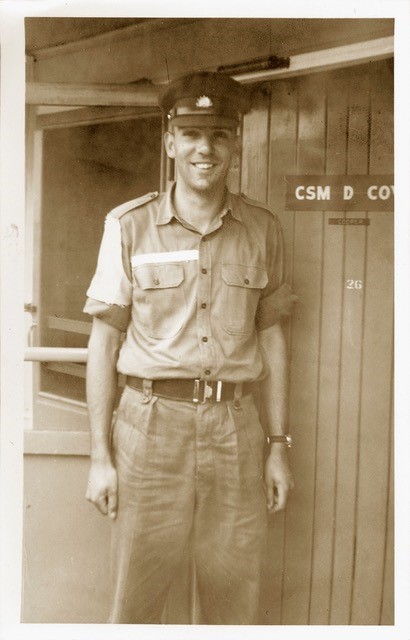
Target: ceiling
[(44, 32), (50, 32)]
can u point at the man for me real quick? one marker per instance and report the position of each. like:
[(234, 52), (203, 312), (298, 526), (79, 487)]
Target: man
[(195, 279)]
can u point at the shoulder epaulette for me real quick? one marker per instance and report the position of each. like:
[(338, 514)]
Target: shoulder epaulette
[(256, 203), (119, 211)]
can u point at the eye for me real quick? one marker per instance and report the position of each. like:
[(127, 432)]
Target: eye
[(222, 134), (190, 133)]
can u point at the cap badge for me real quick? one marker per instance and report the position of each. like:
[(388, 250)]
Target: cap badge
[(204, 101)]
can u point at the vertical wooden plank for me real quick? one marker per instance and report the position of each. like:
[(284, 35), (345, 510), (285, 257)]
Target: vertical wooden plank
[(350, 366), (282, 161), (329, 369), (304, 355), (255, 150), (283, 156), (233, 180), (387, 608), (375, 401)]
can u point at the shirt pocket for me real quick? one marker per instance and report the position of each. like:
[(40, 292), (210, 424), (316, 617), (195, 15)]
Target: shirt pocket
[(159, 298), (242, 288)]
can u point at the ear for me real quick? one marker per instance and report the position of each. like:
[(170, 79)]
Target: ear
[(169, 144)]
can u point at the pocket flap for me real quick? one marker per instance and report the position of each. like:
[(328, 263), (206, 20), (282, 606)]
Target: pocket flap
[(240, 275), (158, 276)]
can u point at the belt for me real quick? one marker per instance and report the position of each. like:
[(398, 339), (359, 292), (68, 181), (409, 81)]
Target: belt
[(198, 391)]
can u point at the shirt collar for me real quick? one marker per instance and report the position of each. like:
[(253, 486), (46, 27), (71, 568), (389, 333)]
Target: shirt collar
[(166, 209)]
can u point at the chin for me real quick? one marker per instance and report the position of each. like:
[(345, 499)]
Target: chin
[(203, 187), (208, 185)]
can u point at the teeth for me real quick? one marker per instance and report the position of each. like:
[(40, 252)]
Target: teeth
[(203, 165)]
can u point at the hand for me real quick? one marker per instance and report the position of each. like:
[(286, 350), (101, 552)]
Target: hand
[(278, 478), (102, 487)]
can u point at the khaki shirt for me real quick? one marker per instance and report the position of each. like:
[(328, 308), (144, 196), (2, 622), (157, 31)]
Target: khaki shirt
[(191, 305)]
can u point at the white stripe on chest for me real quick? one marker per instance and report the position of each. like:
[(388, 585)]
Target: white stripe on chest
[(164, 256)]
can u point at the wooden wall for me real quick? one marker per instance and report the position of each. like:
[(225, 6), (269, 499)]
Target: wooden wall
[(331, 552)]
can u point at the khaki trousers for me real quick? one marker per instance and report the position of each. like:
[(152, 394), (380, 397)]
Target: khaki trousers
[(189, 476)]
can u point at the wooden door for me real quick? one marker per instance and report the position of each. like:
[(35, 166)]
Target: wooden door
[(330, 554)]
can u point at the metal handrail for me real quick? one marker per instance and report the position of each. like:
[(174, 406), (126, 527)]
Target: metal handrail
[(55, 354)]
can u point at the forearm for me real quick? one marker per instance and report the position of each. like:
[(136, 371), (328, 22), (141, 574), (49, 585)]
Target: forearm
[(102, 379), (278, 478), (274, 387)]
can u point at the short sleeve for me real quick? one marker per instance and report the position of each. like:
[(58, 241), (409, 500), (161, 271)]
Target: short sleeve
[(113, 314), (109, 295), (110, 283), (277, 300)]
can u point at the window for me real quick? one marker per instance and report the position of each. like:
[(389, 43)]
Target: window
[(86, 171)]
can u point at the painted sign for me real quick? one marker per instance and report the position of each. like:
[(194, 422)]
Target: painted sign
[(339, 193)]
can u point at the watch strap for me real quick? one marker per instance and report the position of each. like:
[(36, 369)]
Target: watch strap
[(285, 439)]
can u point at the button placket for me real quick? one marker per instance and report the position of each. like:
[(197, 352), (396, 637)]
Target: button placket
[(203, 307)]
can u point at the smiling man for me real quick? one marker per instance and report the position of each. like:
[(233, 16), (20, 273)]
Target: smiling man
[(194, 278)]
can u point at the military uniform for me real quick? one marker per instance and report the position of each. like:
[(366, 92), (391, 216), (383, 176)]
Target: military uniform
[(187, 440)]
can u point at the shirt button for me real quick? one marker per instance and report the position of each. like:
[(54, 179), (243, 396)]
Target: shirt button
[(246, 281), (207, 372), (204, 339), (156, 281), (204, 270), (203, 305)]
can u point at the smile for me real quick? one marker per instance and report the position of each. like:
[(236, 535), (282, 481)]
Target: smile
[(203, 165)]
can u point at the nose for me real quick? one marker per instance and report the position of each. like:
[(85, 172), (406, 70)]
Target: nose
[(205, 144)]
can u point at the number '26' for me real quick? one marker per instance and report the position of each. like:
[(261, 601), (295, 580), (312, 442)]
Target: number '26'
[(354, 284)]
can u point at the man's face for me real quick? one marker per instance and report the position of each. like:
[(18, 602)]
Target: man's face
[(202, 155)]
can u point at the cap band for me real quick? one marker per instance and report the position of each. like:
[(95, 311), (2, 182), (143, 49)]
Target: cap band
[(206, 110), (203, 120)]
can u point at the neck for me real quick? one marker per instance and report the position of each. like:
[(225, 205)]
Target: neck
[(198, 208)]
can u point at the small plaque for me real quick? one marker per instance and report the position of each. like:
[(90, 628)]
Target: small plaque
[(350, 222)]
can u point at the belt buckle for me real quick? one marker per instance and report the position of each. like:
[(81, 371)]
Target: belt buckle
[(208, 391)]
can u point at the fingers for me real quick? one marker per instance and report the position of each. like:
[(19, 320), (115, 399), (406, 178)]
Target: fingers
[(277, 494), (112, 503), (102, 489), (270, 496), (281, 495), (101, 504), (99, 501), (105, 502)]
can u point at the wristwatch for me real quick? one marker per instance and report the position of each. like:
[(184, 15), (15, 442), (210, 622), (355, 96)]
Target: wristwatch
[(285, 439)]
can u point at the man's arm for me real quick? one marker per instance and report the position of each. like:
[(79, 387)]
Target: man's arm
[(278, 478), (103, 349)]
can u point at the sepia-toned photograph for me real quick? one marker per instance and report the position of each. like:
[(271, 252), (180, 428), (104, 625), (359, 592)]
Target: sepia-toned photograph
[(208, 321)]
